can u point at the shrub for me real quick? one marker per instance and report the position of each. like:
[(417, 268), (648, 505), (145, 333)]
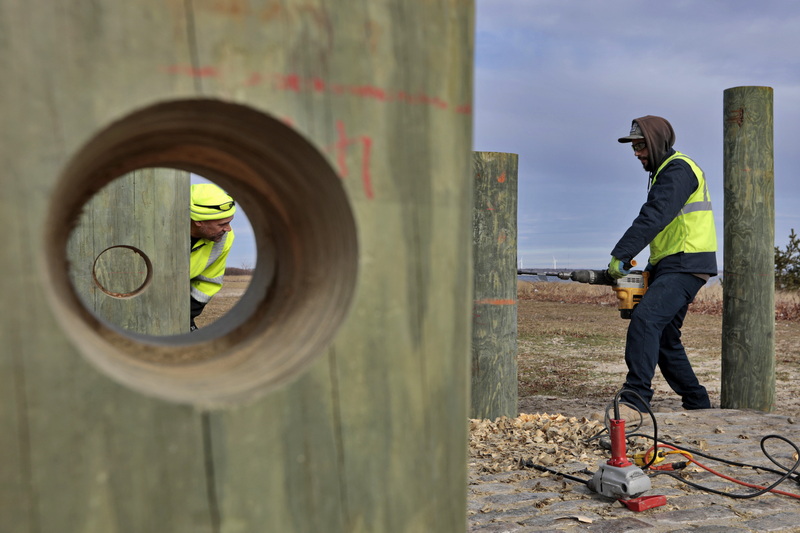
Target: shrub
[(233, 271), (787, 265)]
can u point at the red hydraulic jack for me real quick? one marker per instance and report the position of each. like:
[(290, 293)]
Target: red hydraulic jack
[(619, 478)]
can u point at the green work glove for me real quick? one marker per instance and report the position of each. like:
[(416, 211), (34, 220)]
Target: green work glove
[(616, 269)]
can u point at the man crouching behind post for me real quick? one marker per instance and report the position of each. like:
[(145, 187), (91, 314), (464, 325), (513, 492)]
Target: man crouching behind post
[(211, 212)]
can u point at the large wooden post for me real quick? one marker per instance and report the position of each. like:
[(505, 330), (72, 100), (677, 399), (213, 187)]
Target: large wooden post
[(748, 320), (494, 333), (122, 254), (345, 132)]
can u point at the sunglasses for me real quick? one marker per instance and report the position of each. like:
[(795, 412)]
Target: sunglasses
[(638, 147), (221, 207)]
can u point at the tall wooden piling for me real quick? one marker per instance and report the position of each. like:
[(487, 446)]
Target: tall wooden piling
[(748, 320), (335, 396), (122, 255), (494, 324)]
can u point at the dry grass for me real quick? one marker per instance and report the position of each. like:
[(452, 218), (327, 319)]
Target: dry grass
[(233, 287), (787, 306), (707, 302), (571, 342)]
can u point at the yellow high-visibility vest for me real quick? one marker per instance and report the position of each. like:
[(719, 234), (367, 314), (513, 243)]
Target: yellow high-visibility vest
[(207, 266), (692, 230)]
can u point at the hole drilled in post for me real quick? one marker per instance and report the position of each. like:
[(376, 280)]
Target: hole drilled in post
[(122, 271), (305, 242)]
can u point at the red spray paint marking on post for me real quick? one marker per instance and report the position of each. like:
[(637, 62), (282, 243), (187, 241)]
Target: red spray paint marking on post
[(295, 83), (341, 146)]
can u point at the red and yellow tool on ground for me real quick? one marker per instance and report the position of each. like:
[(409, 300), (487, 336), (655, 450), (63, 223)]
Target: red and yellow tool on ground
[(621, 479)]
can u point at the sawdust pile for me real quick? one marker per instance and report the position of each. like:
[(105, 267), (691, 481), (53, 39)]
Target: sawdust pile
[(506, 444)]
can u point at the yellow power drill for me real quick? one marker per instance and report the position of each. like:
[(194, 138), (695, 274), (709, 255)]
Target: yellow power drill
[(629, 288)]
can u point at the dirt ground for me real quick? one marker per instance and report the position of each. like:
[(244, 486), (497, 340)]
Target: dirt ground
[(570, 365), (570, 355), (571, 359), (233, 288)]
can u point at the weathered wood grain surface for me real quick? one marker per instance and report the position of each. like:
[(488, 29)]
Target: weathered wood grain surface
[(494, 324), (371, 437), (145, 210), (748, 325)]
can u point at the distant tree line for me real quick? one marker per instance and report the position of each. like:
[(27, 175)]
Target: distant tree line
[(233, 271), (787, 265)]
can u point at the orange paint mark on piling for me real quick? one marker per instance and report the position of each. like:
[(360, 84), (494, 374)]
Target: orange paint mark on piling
[(295, 83), (495, 301), (232, 8), (289, 82), (366, 178), (502, 178), (273, 11), (402, 96), (186, 70), (341, 146), (318, 85), (254, 79), (369, 91)]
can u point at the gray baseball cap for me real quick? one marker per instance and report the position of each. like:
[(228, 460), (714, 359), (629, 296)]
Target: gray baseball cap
[(635, 134)]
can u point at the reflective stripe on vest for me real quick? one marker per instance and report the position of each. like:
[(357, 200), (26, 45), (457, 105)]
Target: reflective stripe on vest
[(693, 229), (204, 255)]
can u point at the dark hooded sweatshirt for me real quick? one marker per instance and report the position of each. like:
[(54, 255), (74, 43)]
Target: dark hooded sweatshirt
[(675, 183)]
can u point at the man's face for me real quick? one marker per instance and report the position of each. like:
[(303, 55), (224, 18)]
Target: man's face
[(641, 152), (212, 230)]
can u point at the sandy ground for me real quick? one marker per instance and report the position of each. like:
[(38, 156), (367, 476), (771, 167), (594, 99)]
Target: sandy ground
[(787, 392), (706, 361)]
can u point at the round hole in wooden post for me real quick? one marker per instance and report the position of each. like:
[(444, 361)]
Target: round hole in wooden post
[(305, 231), (135, 262)]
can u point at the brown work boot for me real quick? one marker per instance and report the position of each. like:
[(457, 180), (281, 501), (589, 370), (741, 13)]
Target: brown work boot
[(633, 418)]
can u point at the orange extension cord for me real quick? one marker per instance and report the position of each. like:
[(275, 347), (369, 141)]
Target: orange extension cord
[(689, 457)]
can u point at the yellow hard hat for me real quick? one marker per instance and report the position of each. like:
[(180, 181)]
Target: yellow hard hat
[(209, 202)]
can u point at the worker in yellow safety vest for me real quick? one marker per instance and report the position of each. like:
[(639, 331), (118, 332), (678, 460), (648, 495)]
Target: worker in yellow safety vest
[(678, 224), (211, 211)]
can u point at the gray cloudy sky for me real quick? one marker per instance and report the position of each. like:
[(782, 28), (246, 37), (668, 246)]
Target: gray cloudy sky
[(558, 81)]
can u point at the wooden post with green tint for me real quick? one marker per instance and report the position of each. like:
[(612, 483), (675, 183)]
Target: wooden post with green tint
[(367, 434), (748, 320), (494, 324), (125, 254)]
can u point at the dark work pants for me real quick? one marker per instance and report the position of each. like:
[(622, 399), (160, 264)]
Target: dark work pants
[(654, 338)]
